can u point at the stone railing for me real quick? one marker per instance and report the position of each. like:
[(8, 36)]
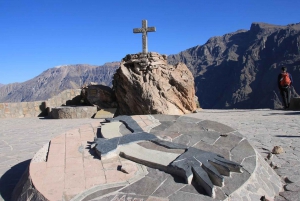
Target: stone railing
[(38, 108)]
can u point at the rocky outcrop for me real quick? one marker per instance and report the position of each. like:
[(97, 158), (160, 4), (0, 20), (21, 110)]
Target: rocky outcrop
[(100, 95), (240, 69), (146, 84)]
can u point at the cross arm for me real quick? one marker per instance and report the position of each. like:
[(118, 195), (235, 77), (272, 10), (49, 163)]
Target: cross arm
[(151, 29), (138, 30)]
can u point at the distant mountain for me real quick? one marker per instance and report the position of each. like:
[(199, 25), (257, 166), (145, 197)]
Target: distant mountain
[(1, 85), (240, 69), (54, 80)]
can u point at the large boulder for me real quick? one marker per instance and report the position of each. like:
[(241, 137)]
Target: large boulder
[(100, 95), (146, 84)]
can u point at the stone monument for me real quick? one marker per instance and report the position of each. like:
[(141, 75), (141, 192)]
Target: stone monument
[(144, 30), (146, 84)]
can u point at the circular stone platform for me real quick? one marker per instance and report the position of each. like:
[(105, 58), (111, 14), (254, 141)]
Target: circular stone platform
[(73, 112), (68, 169)]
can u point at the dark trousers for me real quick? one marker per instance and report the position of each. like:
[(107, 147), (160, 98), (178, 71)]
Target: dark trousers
[(286, 96)]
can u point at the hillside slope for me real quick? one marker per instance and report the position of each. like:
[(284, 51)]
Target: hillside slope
[(240, 69), (55, 80)]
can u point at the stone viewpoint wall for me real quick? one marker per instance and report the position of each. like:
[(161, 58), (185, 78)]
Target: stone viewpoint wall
[(37, 108)]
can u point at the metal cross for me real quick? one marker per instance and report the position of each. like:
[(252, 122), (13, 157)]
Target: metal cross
[(144, 31)]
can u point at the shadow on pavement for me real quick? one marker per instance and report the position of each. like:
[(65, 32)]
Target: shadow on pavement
[(286, 113), (10, 178), (288, 136)]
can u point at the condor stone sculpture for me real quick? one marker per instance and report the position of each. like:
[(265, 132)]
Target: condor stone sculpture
[(146, 84)]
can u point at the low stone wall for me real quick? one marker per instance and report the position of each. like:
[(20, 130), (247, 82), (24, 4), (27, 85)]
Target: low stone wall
[(70, 112), (38, 108)]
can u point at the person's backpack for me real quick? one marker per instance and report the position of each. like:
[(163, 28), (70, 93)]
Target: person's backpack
[(285, 80)]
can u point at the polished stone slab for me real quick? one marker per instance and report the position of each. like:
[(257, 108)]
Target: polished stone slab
[(105, 113)]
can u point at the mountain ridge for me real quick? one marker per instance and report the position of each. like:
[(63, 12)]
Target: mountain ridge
[(239, 69), (54, 80)]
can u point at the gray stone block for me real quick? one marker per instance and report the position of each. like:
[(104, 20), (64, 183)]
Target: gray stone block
[(153, 146), (279, 198), (242, 150), (290, 195), (220, 195), (235, 181), (100, 193), (143, 136), (211, 148), (172, 135), (292, 187), (188, 120), (123, 130), (212, 125), (170, 145), (188, 140), (193, 188), (163, 126), (184, 127), (162, 117), (148, 184), (168, 187), (267, 186), (180, 196), (104, 146), (228, 142), (249, 164), (209, 137), (130, 123)]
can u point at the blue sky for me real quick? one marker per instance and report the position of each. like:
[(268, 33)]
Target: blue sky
[(40, 34)]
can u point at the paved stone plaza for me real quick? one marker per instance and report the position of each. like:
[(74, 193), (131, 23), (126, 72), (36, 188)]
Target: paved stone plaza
[(21, 138)]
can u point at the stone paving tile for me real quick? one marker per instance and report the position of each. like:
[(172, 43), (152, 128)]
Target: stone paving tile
[(153, 146), (105, 113), (111, 130), (95, 180), (214, 149), (56, 160), (100, 193), (228, 142), (74, 164), (53, 175), (241, 150), (74, 179), (180, 196), (54, 191), (168, 187)]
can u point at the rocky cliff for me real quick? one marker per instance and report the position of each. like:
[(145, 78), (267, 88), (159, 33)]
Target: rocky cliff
[(54, 80), (239, 69)]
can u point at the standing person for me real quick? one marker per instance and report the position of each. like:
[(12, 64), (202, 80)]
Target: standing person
[(285, 82)]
